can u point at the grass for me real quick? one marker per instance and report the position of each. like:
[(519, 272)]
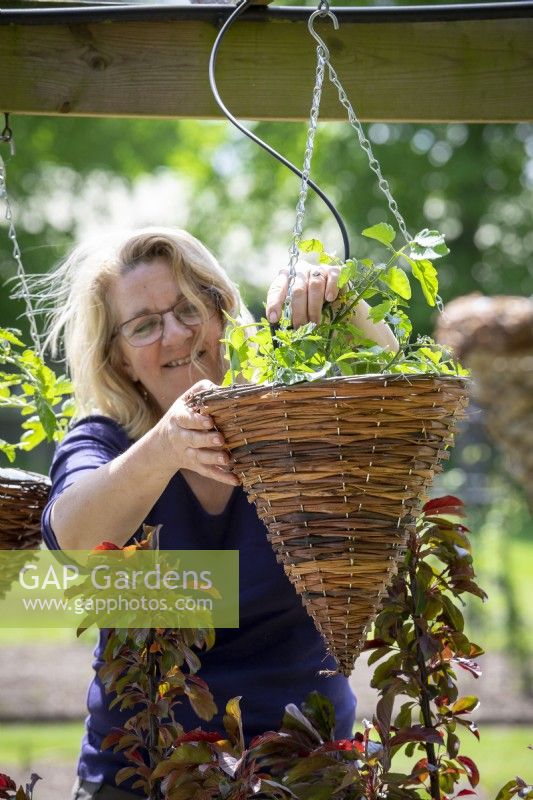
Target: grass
[(500, 755), (21, 745)]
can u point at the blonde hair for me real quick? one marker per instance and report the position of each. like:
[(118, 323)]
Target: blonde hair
[(76, 299)]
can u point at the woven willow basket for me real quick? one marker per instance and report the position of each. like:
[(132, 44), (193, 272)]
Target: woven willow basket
[(337, 469), (494, 337), (23, 496)]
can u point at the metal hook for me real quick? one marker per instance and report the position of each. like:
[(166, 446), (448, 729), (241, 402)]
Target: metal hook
[(7, 134), (310, 24)]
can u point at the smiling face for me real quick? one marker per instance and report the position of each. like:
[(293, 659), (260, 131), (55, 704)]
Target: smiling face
[(163, 368)]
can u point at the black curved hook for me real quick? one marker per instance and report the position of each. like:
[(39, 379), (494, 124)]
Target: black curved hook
[(212, 64)]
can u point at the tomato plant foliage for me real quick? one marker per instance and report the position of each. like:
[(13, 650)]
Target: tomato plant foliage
[(336, 346)]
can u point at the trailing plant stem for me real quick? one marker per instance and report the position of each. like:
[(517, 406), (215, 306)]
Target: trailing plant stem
[(424, 693), (153, 733), (346, 311), (396, 356)]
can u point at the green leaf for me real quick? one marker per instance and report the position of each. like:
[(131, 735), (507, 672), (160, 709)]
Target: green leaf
[(32, 437), (428, 244), (378, 654), (433, 355), (125, 773), (325, 258), (508, 790), (346, 356), (426, 275), (9, 450), (10, 335), (403, 718), (464, 704), (294, 719), (237, 337), (398, 281), (233, 722), (191, 753), (322, 714), (306, 767), (201, 700), (377, 313), (382, 719), (453, 614), (311, 246), (382, 232), (347, 273), (47, 416), (453, 744)]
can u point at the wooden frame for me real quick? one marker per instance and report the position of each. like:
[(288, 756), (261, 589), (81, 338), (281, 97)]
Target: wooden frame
[(452, 63)]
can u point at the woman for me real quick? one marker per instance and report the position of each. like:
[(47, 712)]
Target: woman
[(141, 317)]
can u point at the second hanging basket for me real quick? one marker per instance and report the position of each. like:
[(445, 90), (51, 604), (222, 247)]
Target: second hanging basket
[(338, 469), (23, 496)]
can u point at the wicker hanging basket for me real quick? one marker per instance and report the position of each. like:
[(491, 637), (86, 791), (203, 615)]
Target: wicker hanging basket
[(494, 337), (337, 469), (23, 496)]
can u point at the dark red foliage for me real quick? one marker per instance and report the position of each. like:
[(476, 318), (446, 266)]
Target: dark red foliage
[(198, 735), (444, 505), (347, 744), (6, 782), (106, 546), (472, 772), (7, 786)]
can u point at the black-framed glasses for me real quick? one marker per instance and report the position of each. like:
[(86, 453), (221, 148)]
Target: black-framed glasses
[(146, 329)]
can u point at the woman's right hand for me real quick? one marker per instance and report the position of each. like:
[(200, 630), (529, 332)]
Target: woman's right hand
[(190, 440)]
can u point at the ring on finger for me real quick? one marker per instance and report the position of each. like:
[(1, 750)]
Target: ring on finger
[(318, 273)]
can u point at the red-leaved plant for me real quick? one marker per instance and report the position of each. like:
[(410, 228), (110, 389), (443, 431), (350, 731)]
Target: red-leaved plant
[(9, 791), (418, 642)]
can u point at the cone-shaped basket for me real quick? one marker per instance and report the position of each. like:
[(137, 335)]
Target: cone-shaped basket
[(23, 496), (337, 469)]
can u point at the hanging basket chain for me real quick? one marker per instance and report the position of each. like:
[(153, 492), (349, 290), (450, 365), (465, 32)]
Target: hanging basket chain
[(373, 162), (24, 291), (323, 60), (294, 252)]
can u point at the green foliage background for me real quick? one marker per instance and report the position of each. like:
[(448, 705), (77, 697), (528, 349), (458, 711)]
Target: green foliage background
[(474, 182)]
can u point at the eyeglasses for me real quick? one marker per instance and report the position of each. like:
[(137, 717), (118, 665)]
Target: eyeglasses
[(146, 329)]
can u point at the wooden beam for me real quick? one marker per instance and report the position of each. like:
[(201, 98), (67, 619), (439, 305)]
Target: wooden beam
[(454, 63)]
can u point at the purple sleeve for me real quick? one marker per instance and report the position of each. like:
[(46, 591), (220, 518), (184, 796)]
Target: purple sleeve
[(90, 443)]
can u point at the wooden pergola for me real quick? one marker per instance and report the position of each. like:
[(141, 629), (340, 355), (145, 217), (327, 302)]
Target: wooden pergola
[(470, 63)]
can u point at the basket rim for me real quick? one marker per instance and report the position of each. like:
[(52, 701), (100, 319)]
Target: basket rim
[(11, 475), (249, 389)]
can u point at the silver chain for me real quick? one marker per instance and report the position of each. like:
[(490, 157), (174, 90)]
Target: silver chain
[(294, 252), (323, 60), (11, 232), (366, 146)]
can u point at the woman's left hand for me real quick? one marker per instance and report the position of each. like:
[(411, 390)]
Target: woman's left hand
[(312, 287)]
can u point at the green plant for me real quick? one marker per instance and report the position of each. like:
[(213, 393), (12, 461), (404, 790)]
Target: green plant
[(336, 346), (418, 642), (515, 788), (30, 386)]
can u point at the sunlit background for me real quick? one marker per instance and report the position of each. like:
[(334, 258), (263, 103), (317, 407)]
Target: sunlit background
[(72, 178)]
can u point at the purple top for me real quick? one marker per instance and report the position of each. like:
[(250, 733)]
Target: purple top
[(273, 657)]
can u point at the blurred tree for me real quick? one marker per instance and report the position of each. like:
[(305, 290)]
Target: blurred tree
[(475, 182)]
